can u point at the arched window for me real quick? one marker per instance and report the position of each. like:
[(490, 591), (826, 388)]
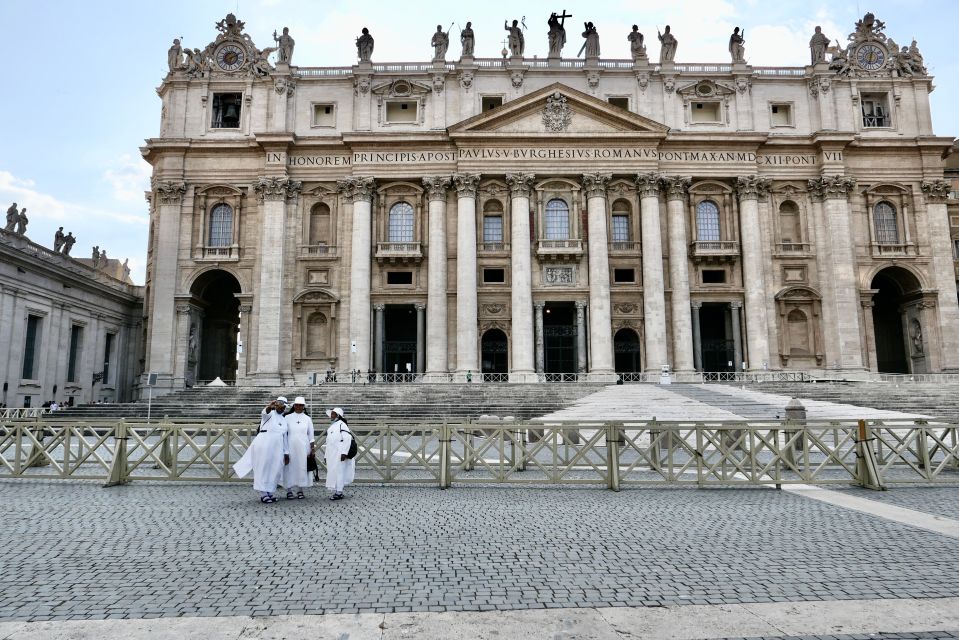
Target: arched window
[(557, 220), (317, 335), (884, 218), (401, 222), (798, 333), (707, 221), (221, 226), (620, 230), (789, 229), (320, 224)]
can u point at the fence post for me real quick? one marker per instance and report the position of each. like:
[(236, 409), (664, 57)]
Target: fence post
[(866, 466), (612, 456), (444, 455), (37, 459), (166, 453), (118, 470), (654, 462), (922, 448)]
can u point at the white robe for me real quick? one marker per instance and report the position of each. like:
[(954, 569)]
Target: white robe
[(301, 437), (265, 455), (339, 473)]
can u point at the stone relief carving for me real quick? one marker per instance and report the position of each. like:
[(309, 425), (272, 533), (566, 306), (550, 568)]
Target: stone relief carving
[(466, 79), (170, 192), (743, 84), (520, 184), (831, 186), (936, 191), (516, 77), (361, 85), (559, 275), (494, 309), (592, 78), (284, 85), (625, 307), (669, 84), (915, 334), (436, 186), (465, 184), (557, 115), (642, 77), (277, 188), (594, 184), (752, 187)]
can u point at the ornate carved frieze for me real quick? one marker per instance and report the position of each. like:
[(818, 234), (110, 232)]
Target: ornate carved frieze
[(592, 78), (170, 192), (557, 115), (649, 184), (559, 276), (284, 86), (436, 186), (936, 191), (642, 78), (439, 82), (494, 309), (466, 80), (594, 184), (676, 187), (752, 187), (831, 187), (465, 184), (626, 308), (516, 77), (361, 85), (520, 184), (277, 188)]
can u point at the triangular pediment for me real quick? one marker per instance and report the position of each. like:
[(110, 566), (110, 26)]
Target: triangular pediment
[(557, 110)]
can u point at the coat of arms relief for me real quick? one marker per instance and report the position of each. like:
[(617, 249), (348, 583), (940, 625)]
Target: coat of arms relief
[(557, 115)]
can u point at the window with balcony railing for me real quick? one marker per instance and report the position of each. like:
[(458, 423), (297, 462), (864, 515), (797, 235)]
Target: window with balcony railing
[(221, 226), (887, 228), (557, 220), (707, 221), (401, 222)]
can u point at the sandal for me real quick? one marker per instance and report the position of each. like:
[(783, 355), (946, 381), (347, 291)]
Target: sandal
[(289, 495), (299, 495), (268, 498)]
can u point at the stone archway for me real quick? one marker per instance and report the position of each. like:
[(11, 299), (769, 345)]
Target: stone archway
[(897, 323), (627, 351), (495, 352), (212, 347)]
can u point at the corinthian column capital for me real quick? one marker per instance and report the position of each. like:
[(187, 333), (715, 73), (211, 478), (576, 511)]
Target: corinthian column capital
[(436, 187), (832, 187), (936, 191), (752, 187), (465, 184), (520, 184), (594, 184), (677, 187), (169, 192), (649, 184), (277, 188)]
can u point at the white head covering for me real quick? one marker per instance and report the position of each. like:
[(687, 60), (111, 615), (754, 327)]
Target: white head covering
[(299, 400), (283, 400), (337, 410)]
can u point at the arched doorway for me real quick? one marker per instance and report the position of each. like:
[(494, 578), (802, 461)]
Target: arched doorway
[(626, 350), (495, 352), (213, 332), (895, 308)]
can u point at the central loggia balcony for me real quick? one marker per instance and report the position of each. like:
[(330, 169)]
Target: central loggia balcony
[(318, 251), (229, 253), (714, 250), (567, 249), (624, 248), (906, 250), (398, 252), (492, 248)]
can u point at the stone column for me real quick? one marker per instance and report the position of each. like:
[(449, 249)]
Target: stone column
[(437, 361), (654, 300), (580, 337), (167, 198), (676, 189), (844, 298), (420, 336), (521, 185), (273, 193), (467, 322), (750, 189), (937, 220), (540, 338), (360, 191), (697, 337), (246, 336), (600, 314), (379, 323), (867, 304), (734, 308)]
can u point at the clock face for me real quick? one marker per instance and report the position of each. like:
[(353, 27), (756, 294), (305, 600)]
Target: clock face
[(870, 57), (230, 57)]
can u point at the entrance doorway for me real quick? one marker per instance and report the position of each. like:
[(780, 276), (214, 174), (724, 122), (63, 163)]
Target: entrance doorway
[(495, 352), (626, 350), (715, 330), (399, 341), (213, 335), (896, 289), (559, 335)]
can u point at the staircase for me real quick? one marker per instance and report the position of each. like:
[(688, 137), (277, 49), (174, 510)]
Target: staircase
[(931, 399)]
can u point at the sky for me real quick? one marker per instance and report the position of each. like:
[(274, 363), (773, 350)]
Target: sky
[(80, 91)]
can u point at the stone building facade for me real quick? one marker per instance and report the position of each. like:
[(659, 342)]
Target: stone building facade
[(68, 331), (525, 217)]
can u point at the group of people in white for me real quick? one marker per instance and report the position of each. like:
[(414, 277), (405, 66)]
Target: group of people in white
[(283, 452)]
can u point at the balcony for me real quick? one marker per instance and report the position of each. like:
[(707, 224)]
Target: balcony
[(624, 247), (217, 254), (793, 249), (907, 250), (318, 251), (569, 249), (398, 252), (711, 251), (492, 248)]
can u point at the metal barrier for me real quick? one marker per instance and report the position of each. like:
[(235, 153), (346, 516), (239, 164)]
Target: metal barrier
[(23, 412), (872, 454)]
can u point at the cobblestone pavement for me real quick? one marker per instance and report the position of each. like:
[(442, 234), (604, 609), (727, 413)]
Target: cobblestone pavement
[(919, 635), (74, 550), (939, 501)]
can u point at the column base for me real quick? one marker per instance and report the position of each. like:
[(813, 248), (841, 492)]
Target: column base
[(523, 377), (437, 376), (602, 375), (265, 380)]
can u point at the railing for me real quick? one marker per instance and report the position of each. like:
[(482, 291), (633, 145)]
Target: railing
[(316, 72), (492, 247), (898, 250), (869, 122), (906, 378), (495, 377), (219, 253), (571, 246), (692, 377), (317, 251), (22, 412), (398, 250), (714, 250), (780, 71), (793, 247), (616, 64), (624, 246), (873, 454), (695, 67)]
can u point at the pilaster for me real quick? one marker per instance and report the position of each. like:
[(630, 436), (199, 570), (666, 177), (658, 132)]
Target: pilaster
[(750, 189), (467, 322), (521, 185), (654, 298), (600, 313), (436, 309), (937, 218), (676, 192)]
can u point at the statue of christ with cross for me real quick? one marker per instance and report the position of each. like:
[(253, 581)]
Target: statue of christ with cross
[(557, 33)]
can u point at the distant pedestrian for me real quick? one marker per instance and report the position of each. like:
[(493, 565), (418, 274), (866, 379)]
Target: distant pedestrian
[(269, 451), (302, 444), (340, 468)]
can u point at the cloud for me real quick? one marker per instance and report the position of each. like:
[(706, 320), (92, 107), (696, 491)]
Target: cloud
[(43, 206), (130, 177)]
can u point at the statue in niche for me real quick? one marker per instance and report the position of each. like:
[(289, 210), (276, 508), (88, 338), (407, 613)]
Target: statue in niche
[(737, 46), (192, 343), (364, 46), (591, 44), (174, 55), (467, 40), (68, 243), (668, 42), (817, 46), (915, 332), (557, 34), (58, 239), (440, 43), (517, 43), (22, 221), (284, 46), (636, 46), (12, 216)]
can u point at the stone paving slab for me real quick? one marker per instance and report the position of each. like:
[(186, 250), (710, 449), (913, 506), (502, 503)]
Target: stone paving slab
[(936, 500)]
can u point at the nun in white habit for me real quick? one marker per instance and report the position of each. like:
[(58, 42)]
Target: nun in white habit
[(302, 443), (268, 453), (339, 469)]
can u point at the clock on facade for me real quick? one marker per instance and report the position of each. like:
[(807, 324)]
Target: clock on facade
[(230, 57), (870, 57)]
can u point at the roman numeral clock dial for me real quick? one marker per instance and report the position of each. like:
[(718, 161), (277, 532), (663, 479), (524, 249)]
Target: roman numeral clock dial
[(230, 57)]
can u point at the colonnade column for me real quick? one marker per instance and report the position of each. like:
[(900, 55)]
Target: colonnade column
[(580, 337), (600, 314), (379, 334), (360, 191), (697, 337), (734, 308), (654, 298), (467, 330), (749, 189), (540, 338), (168, 199), (273, 193), (437, 361), (520, 185), (843, 296), (676, 190), (936, 192), (420, 336)]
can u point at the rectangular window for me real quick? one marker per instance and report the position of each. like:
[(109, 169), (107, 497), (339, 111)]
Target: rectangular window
[(704, 112), (781, 115), (491, 102), (399, 277), (714, 276), (76, 339), (324, 115), (621, 102), (624, 275), (557, 224), (955, 249), (875, 110), (492, 228), (30, 347), (401, 111), (620, 228), (494, 276), (226, 110), (107, 356), (27, 401)]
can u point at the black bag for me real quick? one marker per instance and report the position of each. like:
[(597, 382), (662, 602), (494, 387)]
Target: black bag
[(354, 449), (312, 466)]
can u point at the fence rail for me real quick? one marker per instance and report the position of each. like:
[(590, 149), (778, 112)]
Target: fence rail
[(872, 454)]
